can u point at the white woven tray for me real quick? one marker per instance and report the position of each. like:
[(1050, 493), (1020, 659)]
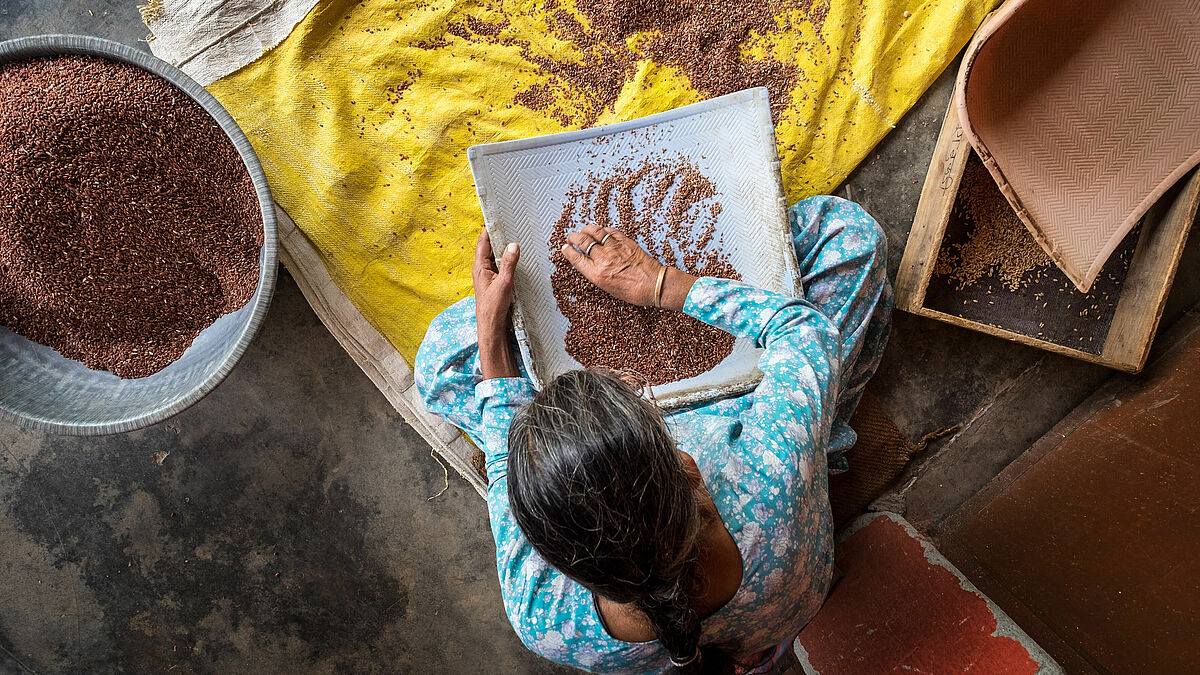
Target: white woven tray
[(522, 187)]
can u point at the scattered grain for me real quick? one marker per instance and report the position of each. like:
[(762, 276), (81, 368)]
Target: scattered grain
[(998, 246), (710, 44)]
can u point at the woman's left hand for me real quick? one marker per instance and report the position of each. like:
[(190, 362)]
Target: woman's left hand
[(615, 263), (493, 298), (623, 269)]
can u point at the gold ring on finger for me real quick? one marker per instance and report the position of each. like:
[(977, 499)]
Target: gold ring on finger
[(606, 237), (588, 251)]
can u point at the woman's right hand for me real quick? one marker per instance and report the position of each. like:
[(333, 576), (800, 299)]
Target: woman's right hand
[(493, 297), (618, 265)]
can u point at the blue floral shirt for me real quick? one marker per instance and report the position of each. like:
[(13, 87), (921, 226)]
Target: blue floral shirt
[(763, 455)]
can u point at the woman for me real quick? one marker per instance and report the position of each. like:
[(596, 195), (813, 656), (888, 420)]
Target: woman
[(629, 540)]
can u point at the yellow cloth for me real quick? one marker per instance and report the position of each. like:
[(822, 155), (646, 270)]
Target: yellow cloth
[(374, 170)]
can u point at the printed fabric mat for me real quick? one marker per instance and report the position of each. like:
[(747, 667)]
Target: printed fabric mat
[(362, 110)]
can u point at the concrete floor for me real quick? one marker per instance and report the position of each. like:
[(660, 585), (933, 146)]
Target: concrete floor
[(296, 523), (292, 527)]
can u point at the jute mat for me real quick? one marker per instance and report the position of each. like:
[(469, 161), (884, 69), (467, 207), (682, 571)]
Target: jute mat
[(881, 453)]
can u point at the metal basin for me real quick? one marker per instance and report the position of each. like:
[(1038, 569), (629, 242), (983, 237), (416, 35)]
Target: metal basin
[(41, 389)]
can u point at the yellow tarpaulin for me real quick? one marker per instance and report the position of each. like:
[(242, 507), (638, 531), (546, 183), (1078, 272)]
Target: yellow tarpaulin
[(363, 114)]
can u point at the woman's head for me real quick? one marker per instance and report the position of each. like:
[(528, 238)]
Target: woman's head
[(598, 487)]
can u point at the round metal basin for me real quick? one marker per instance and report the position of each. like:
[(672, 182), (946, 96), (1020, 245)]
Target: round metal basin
[(41, 389)]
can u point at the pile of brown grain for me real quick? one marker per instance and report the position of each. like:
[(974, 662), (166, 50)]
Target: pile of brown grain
[(128, 222), (670, 208), (998, 244)]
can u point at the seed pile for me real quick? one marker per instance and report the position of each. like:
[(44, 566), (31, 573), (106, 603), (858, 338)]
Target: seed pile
[(991, 271), (999, 245), (670, 208), (128, 222)]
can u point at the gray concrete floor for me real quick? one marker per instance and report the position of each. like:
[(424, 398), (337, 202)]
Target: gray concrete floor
[(293, 526), (296, 523)]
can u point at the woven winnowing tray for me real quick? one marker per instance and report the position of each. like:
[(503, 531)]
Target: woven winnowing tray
[(523, 186), (1085, 113)]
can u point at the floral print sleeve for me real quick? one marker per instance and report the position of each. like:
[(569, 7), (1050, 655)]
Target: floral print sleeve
[(801, 361), (498, 400)]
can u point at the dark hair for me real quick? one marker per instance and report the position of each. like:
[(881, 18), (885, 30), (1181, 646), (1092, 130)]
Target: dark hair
[(598, 489)]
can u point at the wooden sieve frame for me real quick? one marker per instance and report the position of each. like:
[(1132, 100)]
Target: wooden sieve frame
[(1143, 294)]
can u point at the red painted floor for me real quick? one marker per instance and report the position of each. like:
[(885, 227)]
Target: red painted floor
[(1091, 541), (900, 607)]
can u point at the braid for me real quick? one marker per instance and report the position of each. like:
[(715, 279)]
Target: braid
[(675, 620)]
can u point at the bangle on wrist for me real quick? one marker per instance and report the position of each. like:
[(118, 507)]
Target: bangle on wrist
[(658, 287)]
